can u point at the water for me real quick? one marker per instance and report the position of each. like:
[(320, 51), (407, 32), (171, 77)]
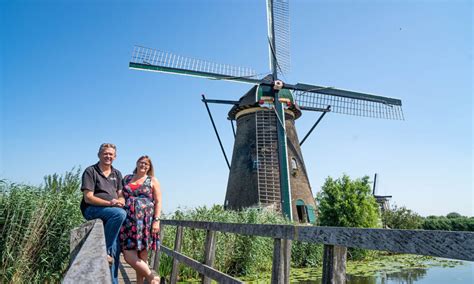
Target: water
[(462, 273)]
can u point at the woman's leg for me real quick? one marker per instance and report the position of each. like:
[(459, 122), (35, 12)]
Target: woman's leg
[(143, 255), (140, 266)]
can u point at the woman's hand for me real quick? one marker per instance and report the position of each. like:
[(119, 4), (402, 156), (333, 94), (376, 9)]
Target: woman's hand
[(155, 227)]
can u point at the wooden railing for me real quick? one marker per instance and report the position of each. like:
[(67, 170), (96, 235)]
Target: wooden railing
[(447, 244), (88, 262)]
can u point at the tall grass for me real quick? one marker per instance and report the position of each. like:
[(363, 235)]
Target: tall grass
[(237, 255), (35, 224)]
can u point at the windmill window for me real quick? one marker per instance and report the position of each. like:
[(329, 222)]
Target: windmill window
[(255, 164), (294, 166)]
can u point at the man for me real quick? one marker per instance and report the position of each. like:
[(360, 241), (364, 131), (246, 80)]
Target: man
[(103, 199)]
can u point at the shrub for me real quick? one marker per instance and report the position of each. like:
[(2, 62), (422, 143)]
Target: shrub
[(401, 218), (347, 203), (453, 215)]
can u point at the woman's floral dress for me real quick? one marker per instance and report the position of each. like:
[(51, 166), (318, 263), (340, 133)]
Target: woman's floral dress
[(135, 233)]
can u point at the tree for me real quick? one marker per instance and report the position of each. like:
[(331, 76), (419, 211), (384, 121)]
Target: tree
[(453, 215), (347, 203), (401, 218)]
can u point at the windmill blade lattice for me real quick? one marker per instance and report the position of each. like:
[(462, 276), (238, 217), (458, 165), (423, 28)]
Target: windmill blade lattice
[(351, 106), (148, 59), (278, 16)]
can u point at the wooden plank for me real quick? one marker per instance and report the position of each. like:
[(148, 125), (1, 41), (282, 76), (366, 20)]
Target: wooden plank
[(177, 248), (286, 260), (334, 264), (448, 244), (209, 253), (157, 255), (127, 274), (277, 267), (90, 265), (77, 238), (201, 268)]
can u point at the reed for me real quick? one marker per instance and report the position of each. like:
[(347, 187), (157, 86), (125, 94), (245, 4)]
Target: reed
[(34, 228)]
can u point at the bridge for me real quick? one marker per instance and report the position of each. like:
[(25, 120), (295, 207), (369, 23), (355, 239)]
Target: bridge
[(89, 264)]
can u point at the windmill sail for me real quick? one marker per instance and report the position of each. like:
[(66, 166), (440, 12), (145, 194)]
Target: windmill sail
[(346, 102), (278, 17), (149, 59)]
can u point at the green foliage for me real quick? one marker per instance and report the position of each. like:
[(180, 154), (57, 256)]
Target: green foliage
[(306, 254), (236, 255), (401, 218), (452, 223), (453, 215), (347, 203), (35, 226)]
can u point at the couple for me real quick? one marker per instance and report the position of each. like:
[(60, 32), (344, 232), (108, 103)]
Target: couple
[(129, 208)]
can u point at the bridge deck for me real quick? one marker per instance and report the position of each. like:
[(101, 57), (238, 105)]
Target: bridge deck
[(126, 273)]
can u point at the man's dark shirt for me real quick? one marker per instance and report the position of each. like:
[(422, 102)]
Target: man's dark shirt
[(103, 187)]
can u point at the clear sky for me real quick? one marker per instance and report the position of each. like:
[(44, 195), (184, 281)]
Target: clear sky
[(66, 88)]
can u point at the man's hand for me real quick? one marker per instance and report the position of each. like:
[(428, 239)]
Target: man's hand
[(117, 202)]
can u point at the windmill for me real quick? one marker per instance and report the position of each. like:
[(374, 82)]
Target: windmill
[(267, 167), (382, 200)]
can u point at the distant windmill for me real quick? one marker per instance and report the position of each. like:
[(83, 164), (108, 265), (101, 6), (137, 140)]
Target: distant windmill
[(382, 200), (266, 142)]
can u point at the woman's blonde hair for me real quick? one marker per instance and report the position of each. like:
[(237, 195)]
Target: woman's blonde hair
[(151, 171)]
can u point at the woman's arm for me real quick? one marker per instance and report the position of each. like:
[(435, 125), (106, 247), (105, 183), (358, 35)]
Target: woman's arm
[(155, 228), (156, 197)]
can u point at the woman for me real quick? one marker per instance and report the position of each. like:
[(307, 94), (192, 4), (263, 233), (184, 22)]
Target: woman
[(139, 232)]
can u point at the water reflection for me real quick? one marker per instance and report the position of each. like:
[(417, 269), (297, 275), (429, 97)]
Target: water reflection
[(437, 271), (406, 276)]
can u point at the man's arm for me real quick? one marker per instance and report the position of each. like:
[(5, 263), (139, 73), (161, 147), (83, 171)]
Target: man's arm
[(89, 198)]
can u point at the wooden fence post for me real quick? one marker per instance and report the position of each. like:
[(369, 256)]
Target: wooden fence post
[(334, 264), (278, 274), (286, 260), (156, 258), (177, 248), (209, 253)]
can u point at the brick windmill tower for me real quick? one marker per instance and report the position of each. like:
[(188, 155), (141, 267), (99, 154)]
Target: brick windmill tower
[(254, 178), (267, 168)]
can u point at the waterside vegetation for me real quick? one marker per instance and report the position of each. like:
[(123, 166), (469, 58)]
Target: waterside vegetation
[(35, 224)]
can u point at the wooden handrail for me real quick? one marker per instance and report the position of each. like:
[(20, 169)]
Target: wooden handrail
[(448, 244), (88, 255)]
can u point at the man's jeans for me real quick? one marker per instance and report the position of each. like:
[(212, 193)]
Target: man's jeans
[(112, 217)]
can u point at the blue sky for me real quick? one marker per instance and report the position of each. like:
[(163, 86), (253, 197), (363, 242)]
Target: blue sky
[(66, 88)]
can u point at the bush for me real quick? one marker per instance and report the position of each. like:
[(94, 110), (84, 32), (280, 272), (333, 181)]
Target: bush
[(401, 218), (453, 215), (348, 203), (462, 223)]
